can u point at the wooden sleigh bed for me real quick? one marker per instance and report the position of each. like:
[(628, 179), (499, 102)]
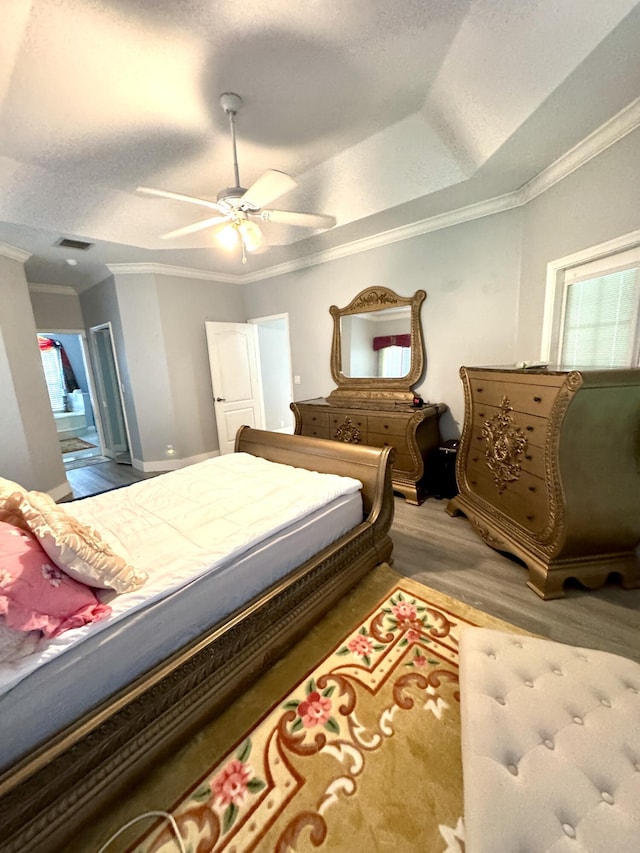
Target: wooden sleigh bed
[(59, 783)]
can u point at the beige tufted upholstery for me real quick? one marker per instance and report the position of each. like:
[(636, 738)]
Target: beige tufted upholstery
[(550, 746)]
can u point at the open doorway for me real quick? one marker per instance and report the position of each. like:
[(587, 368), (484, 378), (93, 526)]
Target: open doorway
[(67, 375), (274, 358)]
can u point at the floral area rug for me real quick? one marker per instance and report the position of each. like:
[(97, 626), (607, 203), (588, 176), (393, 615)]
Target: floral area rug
[(362, 753)]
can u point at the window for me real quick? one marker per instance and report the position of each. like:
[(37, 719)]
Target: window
[(592, 315), (394, 361), (53, 374)]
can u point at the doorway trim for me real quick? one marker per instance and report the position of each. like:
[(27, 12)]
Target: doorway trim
[(94, 351), (88, 366), (259, 321)]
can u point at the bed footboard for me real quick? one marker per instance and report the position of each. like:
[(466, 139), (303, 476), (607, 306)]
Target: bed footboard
[(50, 794)]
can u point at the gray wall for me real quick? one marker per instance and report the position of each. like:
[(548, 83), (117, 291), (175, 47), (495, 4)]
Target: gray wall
[(56, 308), (29, 449), (470, 273), (484, 280), (594, 204)]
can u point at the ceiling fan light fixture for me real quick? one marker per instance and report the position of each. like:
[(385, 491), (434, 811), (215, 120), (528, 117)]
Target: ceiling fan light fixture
[(251, 235), (228, 237)]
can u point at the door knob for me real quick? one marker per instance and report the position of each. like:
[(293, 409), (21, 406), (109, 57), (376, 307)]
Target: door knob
[(221, 400)]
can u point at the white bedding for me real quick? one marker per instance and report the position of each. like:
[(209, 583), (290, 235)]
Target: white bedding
[(180, 525)]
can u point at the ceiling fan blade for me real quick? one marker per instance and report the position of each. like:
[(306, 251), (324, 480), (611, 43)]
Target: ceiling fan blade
[(178, 197), (269, 186), (219, 221), (305, 220)]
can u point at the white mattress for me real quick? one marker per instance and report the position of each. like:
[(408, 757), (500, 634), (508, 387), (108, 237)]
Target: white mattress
[(186, 594)]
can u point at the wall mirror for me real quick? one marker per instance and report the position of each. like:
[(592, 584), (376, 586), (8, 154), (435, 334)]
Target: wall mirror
[(377, 353)]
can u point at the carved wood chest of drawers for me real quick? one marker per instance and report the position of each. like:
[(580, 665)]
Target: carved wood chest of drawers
[(412, 432), (548, 469)]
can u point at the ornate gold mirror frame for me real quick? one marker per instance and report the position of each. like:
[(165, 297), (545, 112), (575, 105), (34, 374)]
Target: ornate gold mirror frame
[(352, 390)]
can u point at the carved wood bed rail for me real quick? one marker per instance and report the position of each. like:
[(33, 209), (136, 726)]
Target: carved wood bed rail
[(45, 797)]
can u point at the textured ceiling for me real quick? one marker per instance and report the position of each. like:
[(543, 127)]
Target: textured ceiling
[(385, 113)]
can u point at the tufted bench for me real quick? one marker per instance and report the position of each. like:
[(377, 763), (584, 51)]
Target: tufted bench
[(550, 746)]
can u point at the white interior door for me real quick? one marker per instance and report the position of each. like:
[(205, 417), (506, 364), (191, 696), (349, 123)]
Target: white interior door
[(235, 378)]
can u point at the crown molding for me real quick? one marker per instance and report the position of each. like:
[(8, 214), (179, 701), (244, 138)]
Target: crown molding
[(13, 253), (58, 289), (626, 121), (612, 131), (166, 269)]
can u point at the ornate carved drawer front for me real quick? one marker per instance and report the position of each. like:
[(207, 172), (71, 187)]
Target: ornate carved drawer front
[(548, 470), (348, 426)]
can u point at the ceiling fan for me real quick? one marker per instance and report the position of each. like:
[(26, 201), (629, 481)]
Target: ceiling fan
[(238, 208)]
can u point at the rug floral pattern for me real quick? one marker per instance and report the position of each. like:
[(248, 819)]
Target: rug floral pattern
[(373, 727)]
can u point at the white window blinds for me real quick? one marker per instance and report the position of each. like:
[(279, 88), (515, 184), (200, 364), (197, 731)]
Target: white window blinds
[(52, 366), (600, 326)]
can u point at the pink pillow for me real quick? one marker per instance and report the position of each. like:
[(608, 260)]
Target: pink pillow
[(35, 594)]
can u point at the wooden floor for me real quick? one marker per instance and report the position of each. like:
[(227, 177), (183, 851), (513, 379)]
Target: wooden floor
[(444, 553), (101, 477)]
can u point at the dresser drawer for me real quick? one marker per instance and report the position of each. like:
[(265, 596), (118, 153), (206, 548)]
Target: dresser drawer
[(533, 428), (532, 460), (315, 419), (348, 419), (381, 425), (315, 430), (522, 397), (524, 500)]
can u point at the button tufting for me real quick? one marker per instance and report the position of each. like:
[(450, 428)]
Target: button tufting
[(633, 689), (607, 797), (512, 769), (605, 702), (557, 671), (501, 700), (548, 743), (528, 683), (518, 644), (568, 830), (578, 721), (492, 655)]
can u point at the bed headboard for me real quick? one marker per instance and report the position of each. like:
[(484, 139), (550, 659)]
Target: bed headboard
[(370, 465)]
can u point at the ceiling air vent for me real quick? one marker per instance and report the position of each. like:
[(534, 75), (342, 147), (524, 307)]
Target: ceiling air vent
[(66, 243)]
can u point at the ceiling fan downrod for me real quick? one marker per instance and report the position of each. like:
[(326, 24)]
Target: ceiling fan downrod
[(231, 103)]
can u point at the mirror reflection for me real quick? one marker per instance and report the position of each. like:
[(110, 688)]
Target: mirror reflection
[(376, 344)]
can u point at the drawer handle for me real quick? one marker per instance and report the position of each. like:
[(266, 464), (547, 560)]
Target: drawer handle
[(532, 488), (479, 390), (475, 458), (530, 517), (529, 429), (537, 399), (481, 414), (474, 482), (528, 457)]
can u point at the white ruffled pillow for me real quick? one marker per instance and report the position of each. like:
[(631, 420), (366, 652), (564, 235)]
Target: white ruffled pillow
[(77, 548)]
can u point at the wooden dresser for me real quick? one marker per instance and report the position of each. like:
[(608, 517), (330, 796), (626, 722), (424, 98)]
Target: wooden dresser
[(549, 470), (412, 432)]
